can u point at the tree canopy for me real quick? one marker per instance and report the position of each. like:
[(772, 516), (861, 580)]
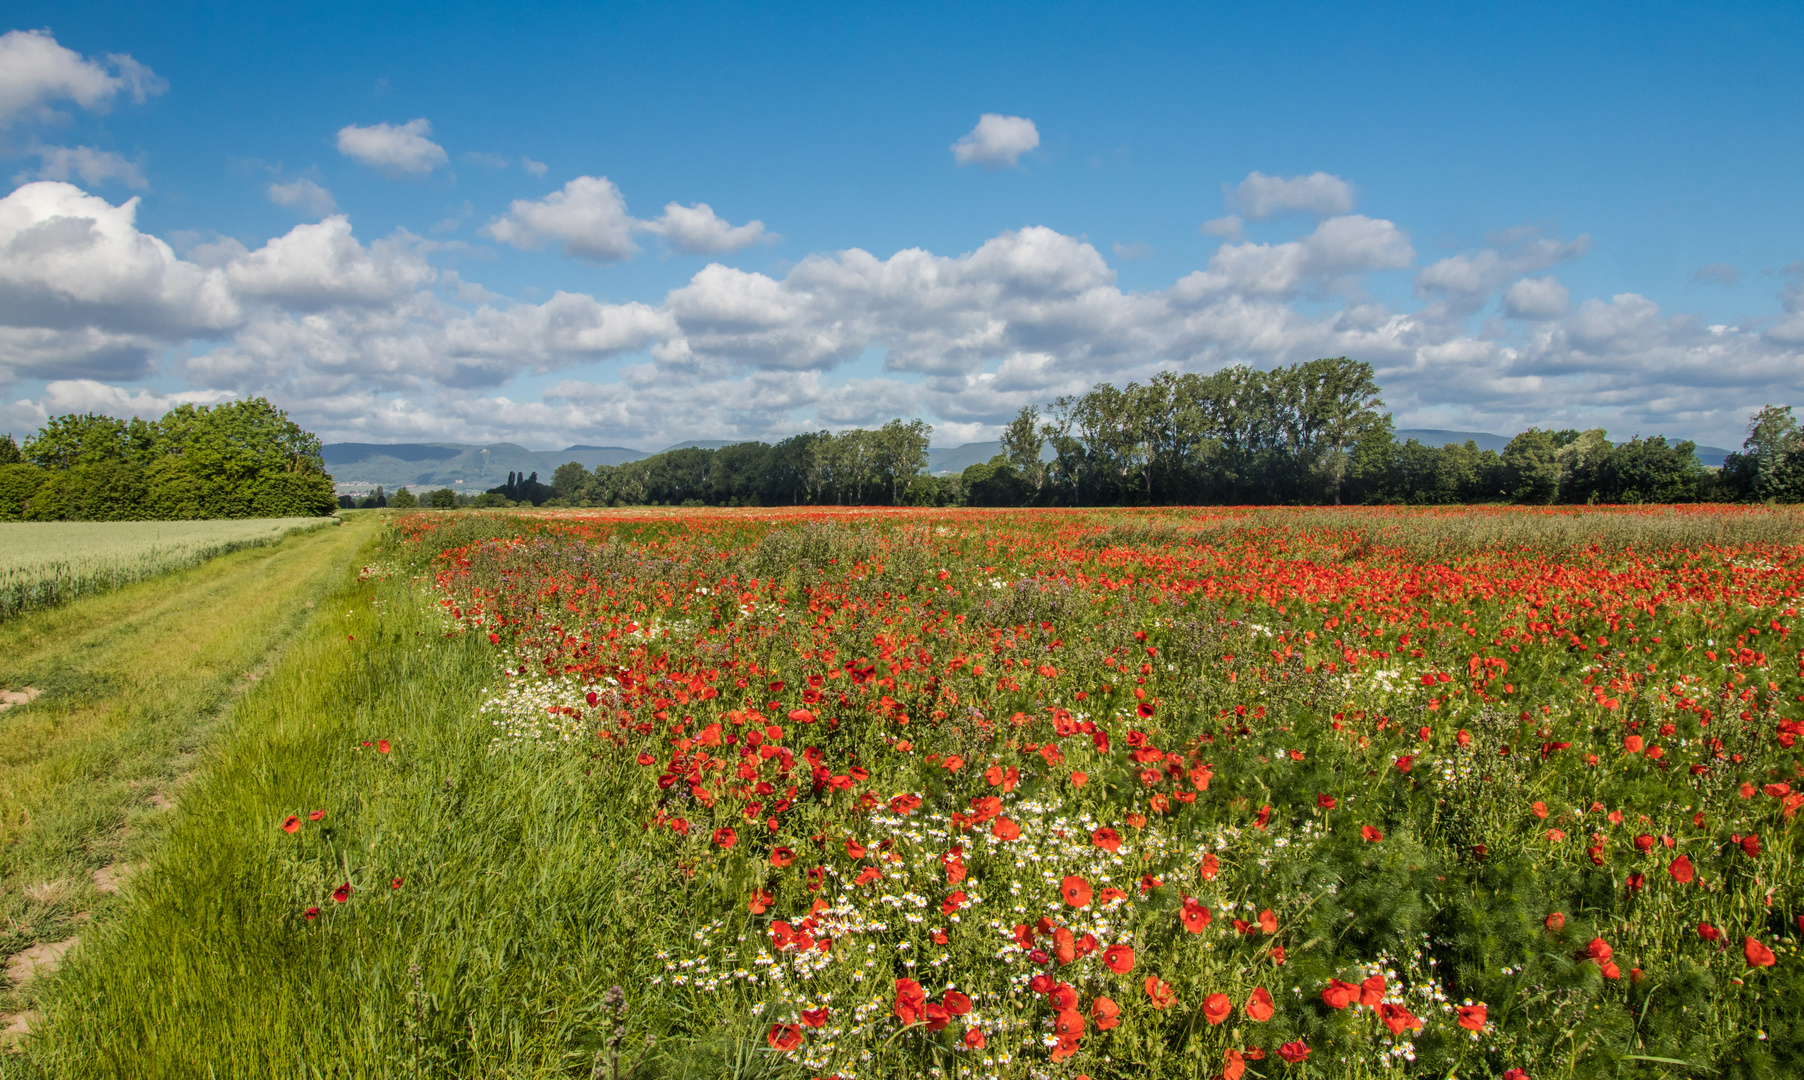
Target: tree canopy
[(239, 459)]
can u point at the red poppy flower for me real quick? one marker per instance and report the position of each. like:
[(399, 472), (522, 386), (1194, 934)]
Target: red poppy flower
[(1339, 994), (1107, 839), (1234, 1066), (801, 716), (1062, 997), (1105, 1012), (381, 746), (974, 1038), (1539, 809), (1406, 762), (1515, 1074), (1075, 890), (1069, 1024), (1369, 834), (937, 1017), (784, 1037), (911, 1002), (760, 902), (782, 857), (1144, 710), (647, 759), (956, 1003), (1137, 821), (1681, 870), (1259, 1007), (1119, 959), (1371, 991), (993, 775), (1598, 950), (291, 824), (1216, 1008), (1110, 895), (725, 837), (1210, 867), (1708, 932), (394, 883), (1064, 945), (1264, 815), (1555, 922), (1326, 802), (953, 902), (1268, 922), (1397, 1018), (310, 914), (1750, 846), (815, 1017), (1294, 1052), (1196, 917), (1160, 992), (953, 763), (342, 893), (1005, 830), (868, 875), (1758, 955), (854, 849), (316, 815), (1472, 1017)]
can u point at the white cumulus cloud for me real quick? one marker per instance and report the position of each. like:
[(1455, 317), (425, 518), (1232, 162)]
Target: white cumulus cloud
[(587, 219), (303, 194), (697, 230), (72, 263), (36, 71), (322, 265), (1262, 198), (997, 142), (397, 149), (1537, 298), (368, 340), (91, 166)]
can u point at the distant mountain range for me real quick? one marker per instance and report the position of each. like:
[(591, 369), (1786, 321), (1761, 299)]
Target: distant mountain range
[(468, 467)]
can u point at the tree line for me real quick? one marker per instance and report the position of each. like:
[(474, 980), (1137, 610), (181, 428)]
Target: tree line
[(235, 460), (1308, 434)]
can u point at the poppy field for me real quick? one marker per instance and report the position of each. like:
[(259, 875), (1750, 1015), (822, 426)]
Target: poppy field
[(1335, 793)]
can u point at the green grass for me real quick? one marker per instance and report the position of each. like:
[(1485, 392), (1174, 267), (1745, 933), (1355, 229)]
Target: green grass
[(43, 564), (135, 683), (518, 905)]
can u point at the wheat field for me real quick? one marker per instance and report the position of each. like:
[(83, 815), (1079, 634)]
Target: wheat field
[(43, 564)]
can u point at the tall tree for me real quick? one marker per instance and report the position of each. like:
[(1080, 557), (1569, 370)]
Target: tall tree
[(1023, 445), (899, 452)]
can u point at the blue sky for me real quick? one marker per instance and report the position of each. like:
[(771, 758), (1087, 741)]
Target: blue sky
[(1520, 215)]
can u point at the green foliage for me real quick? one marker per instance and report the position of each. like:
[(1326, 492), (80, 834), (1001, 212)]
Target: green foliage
[(239, 459), (404, 500)]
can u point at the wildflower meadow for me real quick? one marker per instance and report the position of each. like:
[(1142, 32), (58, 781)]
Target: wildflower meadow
[(1056, 794)]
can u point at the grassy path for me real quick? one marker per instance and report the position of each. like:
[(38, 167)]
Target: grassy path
[(135, 684), (493, 897)]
